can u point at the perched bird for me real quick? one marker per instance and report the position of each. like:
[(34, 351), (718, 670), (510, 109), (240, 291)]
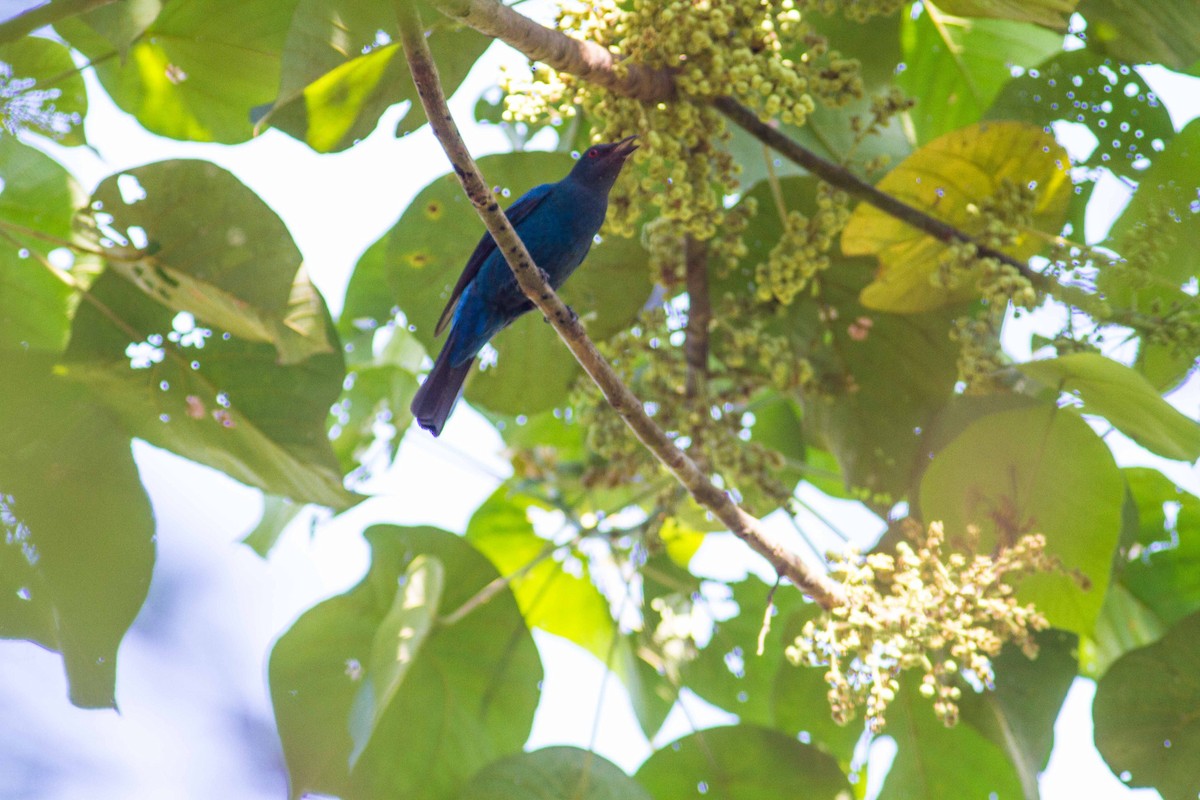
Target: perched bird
[(557, 222)]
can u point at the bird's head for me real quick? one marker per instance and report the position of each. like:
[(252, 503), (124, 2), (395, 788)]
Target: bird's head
[(600, 164)]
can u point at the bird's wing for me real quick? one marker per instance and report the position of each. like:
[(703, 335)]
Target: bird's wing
[(515, 213)]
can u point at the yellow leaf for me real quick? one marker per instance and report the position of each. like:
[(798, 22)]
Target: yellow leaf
[(948, 178)]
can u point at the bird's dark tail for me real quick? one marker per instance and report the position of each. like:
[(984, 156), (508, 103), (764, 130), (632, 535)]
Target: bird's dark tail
[(436, 397)]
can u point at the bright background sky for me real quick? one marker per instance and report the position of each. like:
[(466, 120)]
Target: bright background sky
[(195, 718)]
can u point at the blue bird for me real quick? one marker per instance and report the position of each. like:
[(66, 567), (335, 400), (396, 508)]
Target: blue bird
[(557, 222)]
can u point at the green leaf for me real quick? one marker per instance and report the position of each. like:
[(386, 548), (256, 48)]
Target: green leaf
[(398, 643), (934, 762), (1166, 32), (340, 72), (38, 195), (78, 543), (122, 23), (955, 67), (883, 377), (1163, 572), (741, 762), (1018, 716), (467, 698), (51, 66), (197, 70), (1124, 624), (564, 603), (948, 178), (1086, 88), (1123, 397), (553, 773), (767, 689), (1052, 14), (1037, 470), (217, 251), (277, 514), (1159, 233), (891, 375), (1145, 714), (210, 397)]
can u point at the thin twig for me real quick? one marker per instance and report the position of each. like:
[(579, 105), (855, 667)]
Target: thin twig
[(530, 278), (497, 585)]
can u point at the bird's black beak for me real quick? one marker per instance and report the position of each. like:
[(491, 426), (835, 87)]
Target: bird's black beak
[(625, 147)]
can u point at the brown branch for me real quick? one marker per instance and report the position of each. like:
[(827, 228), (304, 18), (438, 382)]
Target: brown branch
[(587, 60), (787, 563), (695, 346), (583, 60), (15, 27)]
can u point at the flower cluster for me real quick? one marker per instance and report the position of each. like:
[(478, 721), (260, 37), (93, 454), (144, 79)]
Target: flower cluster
[(944, 613), (759, 52), (802, 253)]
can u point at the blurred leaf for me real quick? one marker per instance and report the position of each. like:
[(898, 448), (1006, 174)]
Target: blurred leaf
[(197, 70), (51, 66), (277, 514), (1166, 366), (340, 71), (934, 762), (892, 373), (768, 690), (680, 540), (217, 251), (1037, 470), (955, 66), (1124, 624), (1166, 32), (210, 397), (1164, 574), (122, 23), (78, 543), (742, 762), (1159, 234), (947, 177), (397, 645), (380, 393), (1123, 397), (467, 698), (1018, 716), (553, 773), (38, 195), (1053, 14), (1145, 714), (564, 603), (1086, 88)]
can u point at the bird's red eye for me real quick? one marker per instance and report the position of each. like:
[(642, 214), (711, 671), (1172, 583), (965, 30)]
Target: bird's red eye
[(592, 153)]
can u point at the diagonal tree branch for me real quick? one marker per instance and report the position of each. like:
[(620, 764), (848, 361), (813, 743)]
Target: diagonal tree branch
[(591, 62), (821, 587)]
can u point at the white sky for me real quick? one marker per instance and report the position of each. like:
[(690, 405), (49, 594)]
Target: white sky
[(196, 719)]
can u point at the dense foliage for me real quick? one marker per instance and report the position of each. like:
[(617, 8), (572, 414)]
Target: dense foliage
[(779, 330)]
